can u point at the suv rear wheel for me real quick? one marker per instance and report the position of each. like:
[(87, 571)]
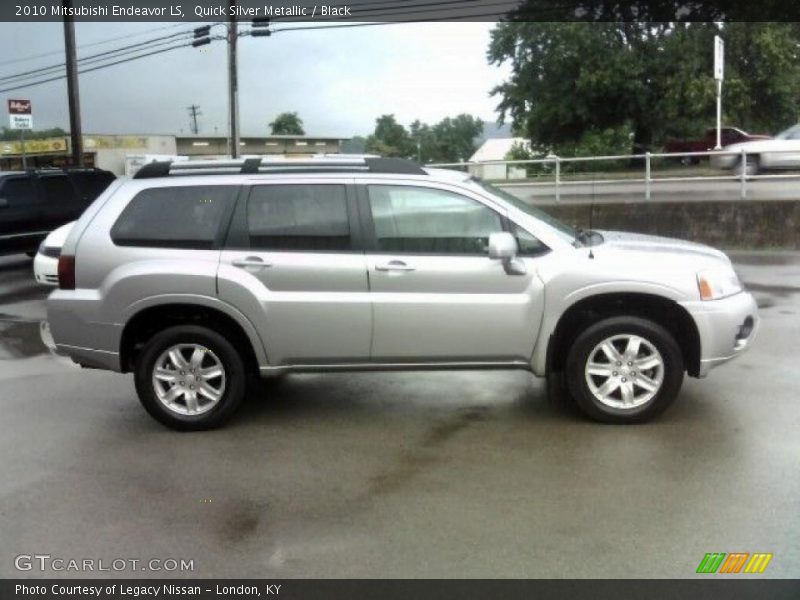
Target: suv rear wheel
[(190, 378), (624, 370)]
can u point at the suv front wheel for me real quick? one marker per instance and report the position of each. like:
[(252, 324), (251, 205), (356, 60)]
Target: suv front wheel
[(624, 370), (190, 378)]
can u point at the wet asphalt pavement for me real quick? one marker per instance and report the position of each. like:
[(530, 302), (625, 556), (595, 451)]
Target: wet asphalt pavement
[(447, 474)]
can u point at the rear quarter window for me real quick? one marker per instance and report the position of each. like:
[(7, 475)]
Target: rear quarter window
[(175, 217)]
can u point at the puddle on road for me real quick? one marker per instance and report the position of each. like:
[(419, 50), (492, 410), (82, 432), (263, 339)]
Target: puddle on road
[(777, 290), (24, 338), (765, 260)]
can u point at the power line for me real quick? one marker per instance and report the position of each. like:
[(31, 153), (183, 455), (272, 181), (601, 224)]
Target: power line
[(281, 30), (94, 57), (426, 7), (98, 43), (382, 23), (103, 66), (393, 11), (359, 8)]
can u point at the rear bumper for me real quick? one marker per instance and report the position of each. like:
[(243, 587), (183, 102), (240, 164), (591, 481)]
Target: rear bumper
[(77, 332), (727, 328)]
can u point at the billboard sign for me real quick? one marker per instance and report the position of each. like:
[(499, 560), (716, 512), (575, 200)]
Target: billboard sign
[(719, 58), (19, 114)]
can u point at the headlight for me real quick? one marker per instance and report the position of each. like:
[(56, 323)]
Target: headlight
[(718, 283)]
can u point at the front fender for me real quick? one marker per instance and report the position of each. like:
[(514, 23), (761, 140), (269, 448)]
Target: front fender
[(558, 301)]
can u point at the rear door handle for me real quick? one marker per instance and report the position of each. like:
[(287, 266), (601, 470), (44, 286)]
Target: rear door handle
[(394, 265), (250, 261)]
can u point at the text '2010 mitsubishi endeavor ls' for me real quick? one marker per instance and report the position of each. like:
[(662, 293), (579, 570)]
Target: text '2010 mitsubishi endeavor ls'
[(194, 275)]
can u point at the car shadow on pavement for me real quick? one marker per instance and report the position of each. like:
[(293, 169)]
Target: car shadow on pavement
[(297, 395)]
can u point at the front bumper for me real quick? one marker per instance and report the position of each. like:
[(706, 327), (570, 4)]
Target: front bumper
[(727, 327)]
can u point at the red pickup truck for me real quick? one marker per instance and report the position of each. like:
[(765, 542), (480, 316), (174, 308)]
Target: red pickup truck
[(730, 135)]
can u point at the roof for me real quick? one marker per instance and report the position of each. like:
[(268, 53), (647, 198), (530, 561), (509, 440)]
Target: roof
[(497, 148)]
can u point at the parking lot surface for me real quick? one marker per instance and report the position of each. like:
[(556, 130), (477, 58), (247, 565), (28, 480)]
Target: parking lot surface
[(417, 474)]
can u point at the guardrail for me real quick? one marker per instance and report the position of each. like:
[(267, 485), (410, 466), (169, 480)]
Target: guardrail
[(738, 167)]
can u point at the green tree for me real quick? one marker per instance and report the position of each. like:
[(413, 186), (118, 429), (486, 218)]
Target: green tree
[(451, 139), (455, 137), (390, 139), (641, 81), (287, 123), (762, 75), (13, 134)]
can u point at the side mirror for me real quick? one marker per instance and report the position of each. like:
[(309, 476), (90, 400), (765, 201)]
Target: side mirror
[(503, 246), (3, 202)]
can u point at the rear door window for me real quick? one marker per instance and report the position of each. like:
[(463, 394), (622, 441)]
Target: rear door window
[(175, 217), (299, 217)]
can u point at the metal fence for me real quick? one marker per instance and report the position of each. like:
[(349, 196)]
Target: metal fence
[(552, 168)]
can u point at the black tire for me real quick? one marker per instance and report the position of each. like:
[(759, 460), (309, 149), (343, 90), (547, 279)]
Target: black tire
[(31, 254), (585, 345), (235, 377), (558, 393)]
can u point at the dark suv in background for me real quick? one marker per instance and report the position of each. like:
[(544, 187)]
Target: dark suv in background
[(33, 203)]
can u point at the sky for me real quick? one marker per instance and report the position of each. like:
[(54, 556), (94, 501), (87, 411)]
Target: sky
[(339, 81)]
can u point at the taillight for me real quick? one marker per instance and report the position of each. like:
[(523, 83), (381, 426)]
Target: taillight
[(66, 272)]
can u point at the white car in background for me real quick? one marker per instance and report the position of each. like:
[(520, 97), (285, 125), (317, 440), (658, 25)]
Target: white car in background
[(45, 264), (780, 152)]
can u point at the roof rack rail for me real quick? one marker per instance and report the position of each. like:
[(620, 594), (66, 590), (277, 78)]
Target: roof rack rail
[(257, 165)]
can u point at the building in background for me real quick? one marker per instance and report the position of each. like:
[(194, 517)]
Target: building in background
[(497, 149), (103, 151), (115, 152), (284, 145)]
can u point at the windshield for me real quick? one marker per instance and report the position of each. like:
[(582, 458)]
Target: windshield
[(527, 208), (789, 134)]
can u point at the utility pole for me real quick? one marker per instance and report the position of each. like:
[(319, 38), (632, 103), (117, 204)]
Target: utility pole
[(73, 95), (194, 112), (233, 82), (202, 36)]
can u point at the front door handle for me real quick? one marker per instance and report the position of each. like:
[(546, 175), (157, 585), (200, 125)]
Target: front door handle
[(250, 262), (394, 265)]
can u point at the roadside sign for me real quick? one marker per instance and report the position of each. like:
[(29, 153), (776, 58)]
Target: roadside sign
[(719, 58), (19, 114), (719, 75)]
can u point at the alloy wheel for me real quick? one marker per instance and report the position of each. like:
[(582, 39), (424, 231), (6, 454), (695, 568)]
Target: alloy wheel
[(189, 379), (624, 371)]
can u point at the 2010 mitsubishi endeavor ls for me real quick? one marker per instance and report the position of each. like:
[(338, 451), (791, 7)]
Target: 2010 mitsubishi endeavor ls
[(194, 275)]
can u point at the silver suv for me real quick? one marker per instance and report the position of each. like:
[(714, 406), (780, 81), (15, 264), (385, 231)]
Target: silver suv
[(194, 275)]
